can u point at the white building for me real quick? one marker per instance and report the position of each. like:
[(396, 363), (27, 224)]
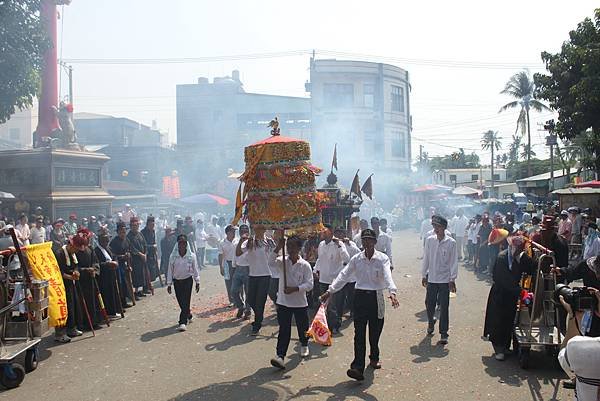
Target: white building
[(470, 177), (363, 107), (17, 132)]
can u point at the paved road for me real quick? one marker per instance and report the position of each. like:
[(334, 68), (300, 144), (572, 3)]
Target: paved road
[(142, 357)]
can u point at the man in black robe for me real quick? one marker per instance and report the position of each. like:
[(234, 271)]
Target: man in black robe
[(88, 269), (149, 234), (167, 244), (119, 247), (138, 250), (107, 280), (67, 262), (502, 301)]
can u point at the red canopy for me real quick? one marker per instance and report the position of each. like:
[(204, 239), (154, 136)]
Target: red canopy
[(277, 139), (588, 184)]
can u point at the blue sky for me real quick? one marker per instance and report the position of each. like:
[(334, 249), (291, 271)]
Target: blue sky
[(450, 106)]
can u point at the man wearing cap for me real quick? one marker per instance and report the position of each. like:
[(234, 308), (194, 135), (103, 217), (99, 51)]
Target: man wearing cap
[(120, 249), (149, 234), (373, 274), (71, 227), (575, 217), (38, 232), (439, 272), (332, 256), (88, 268), (565, 226), (182, 272), (138, 250), (510, 265)]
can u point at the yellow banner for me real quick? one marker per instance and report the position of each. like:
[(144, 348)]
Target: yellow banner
[(43, 265)]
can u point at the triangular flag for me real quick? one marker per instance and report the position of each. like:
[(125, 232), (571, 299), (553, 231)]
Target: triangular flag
[(355, 188), (334, 162), (367, 187)]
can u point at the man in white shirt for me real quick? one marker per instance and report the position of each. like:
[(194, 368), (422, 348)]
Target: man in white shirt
[(439, 271), (373, 275), (364, 224), (295, 281), (200, 242), (182, 271), (213, 232), (257, 249), (227, 258), (352, 249), (426, 225), (384, 241), (38, 232), (22, 231), (332, 255), (383, 225), (458, 228), (239, 281)]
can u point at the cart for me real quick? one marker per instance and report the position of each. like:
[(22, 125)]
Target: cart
[(23, 318), (538, 325)]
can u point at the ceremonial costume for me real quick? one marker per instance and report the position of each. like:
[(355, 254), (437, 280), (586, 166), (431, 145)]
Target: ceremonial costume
[(88, 268), (152, 248), (137, 245), (107, 280)]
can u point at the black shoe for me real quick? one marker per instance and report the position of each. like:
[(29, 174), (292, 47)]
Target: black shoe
[(126, 305), (137, 298), (239, 314), (97, 327), (569, 384), (147, 292), (431, 327), (355, 374), (74, 333), (141, 294)]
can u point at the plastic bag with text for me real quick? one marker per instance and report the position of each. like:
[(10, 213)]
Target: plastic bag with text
[(318, 329)]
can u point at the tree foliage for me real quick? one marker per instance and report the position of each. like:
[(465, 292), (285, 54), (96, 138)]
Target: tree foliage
[(572, 85), (22, 45), (457, 159)]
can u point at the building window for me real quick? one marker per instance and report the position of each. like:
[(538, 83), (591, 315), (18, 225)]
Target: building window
[(399, 144), (496, 177), (369, 95), (397, 99), (474, 177), (452, 177), (338, 95), (14, 134)]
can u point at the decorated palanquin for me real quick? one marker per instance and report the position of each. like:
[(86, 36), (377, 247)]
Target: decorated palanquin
[(279, 186)]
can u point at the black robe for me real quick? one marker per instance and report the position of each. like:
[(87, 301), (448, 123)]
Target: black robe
[(582, 272), (152, 255), (74, 312), (166, 247), (87, 282), (107, 281), (119, 249), (504, 294), (137, 245)]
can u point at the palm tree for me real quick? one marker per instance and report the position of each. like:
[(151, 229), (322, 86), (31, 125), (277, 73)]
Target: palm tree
[(491, 141), (521, 87)]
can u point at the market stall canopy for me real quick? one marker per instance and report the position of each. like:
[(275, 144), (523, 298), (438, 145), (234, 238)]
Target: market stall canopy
[(431, 188), (205, 199), (588, 184), (462, 190), (6, 195)]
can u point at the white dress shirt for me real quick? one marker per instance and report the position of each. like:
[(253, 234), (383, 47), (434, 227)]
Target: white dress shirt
[(425, 227), (38, 235), (384, 244), (472, 232), (459, 225), (371, 274), (201, 236), (298, 274), (357, 240), (258, 261), (184, 267), (330, 260), (440, 260), (23, 233), (592, 250), (352, 250), (227, 249)]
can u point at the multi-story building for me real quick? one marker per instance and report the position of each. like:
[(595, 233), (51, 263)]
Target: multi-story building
[(364, 107), (17, 132), (470, 177), (97, 129)]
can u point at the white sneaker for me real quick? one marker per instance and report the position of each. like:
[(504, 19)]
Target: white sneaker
[(304, 351), (500, 356), (182, 327), (278, 362)]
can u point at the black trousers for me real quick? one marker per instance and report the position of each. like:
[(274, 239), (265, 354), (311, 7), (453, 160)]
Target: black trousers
[(348, 292), (365, 313), (273, 289), (72, 310), (258, 288), (335, 307), (284, 318), (183, 293)]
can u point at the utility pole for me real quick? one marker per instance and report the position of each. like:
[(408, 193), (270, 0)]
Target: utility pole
[(492, 191), (70, 84), (551, 141)]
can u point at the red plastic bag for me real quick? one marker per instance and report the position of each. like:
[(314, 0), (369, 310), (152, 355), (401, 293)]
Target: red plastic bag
[(318, 329)]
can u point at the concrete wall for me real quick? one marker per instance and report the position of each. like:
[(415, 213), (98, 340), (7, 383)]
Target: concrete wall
[(17, 132)]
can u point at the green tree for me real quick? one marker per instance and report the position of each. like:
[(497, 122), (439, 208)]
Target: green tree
[(522, 88), (572, 85), (491, 141), (22, 45)]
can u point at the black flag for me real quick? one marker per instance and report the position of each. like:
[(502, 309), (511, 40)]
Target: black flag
[(334, 162), (367, 187), (355, 188)]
